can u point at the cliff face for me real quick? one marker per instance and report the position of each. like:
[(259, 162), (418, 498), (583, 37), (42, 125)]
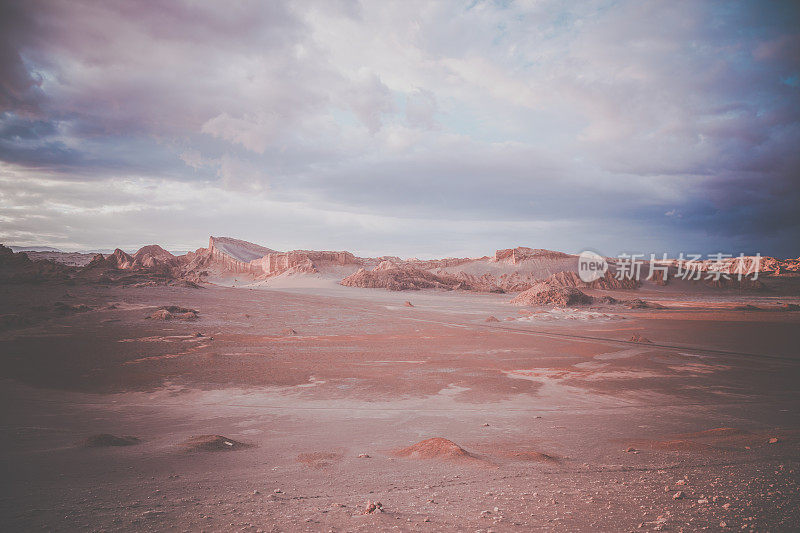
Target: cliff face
[(297, 261), (521, 253), (242, 257), (230, 263)]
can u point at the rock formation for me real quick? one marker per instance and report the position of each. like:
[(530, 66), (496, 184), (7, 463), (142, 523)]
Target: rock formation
[(544, 294)]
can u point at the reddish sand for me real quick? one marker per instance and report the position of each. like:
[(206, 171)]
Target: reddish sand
[(552, 402)]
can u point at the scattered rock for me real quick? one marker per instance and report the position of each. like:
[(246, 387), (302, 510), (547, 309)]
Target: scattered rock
[(678, 495), (773, 440), (408, 304), (363, 456), (213, 443), (288, 331), (372, 507), (636, 337)]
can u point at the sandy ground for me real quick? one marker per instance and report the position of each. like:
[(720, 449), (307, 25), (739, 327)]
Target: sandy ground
[(562, 423)]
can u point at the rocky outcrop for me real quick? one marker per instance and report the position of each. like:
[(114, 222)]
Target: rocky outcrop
[(242, 257), (544, 294), (607, 282), (234, 255), (302, 261), (388, 275), (153, 256), (18, 268), (397, 278)]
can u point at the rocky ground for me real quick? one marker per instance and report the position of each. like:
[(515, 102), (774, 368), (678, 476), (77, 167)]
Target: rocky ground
[(225, 409)]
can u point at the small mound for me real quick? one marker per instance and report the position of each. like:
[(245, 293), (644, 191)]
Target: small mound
[(641, 304), (213, 443), (436, 448), (169, 312), (176, 309), (492, 319), (104, 440), (318, 459), (408, 304), (288, 331), (747, 307), (636, 337)]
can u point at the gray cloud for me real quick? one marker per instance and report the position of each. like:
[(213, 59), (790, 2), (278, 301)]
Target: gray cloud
[(565, 126)]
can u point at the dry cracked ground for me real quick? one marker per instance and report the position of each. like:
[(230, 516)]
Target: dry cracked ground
[(345, 409)]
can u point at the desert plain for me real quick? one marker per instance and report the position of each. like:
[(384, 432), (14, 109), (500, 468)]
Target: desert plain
[(218, 397)]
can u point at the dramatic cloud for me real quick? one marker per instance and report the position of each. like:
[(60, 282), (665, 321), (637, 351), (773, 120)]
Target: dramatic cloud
[(414, 128)]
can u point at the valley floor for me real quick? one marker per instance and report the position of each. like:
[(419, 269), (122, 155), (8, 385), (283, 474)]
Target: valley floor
[(566, 424)]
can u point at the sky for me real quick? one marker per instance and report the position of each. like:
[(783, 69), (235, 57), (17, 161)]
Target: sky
[(424, 129)]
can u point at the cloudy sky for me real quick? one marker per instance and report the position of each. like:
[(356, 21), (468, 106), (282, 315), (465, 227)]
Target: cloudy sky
[(409, 128)]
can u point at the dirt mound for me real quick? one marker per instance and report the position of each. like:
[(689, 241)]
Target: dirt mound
[(638, 338), (318, 459), (213, 443), (288, 331), (544, 294), (437, 448), (104, 440), (491, 319), (170, 312), (641, 304)]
